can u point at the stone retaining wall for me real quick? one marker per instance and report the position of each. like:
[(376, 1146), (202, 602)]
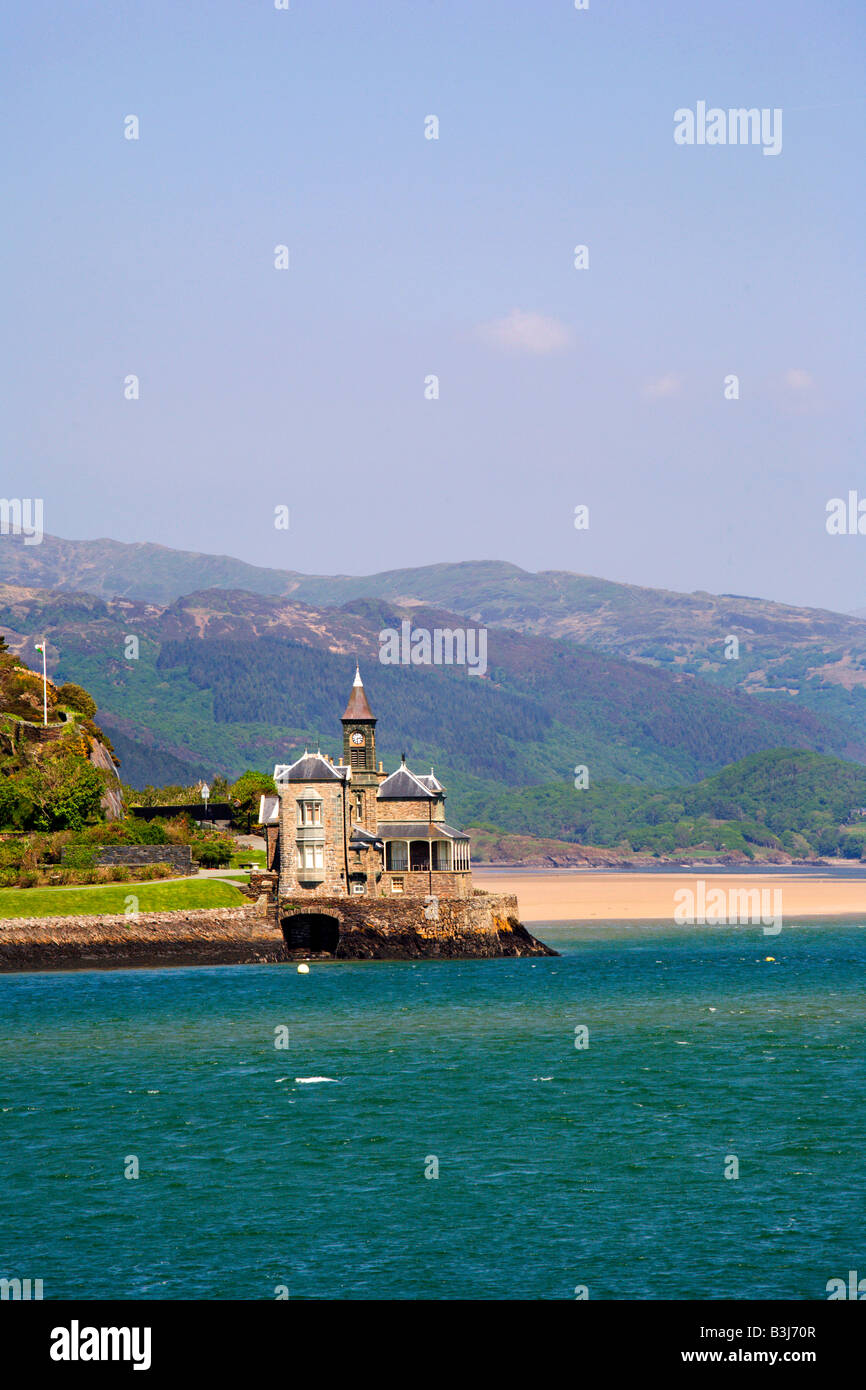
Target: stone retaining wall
[(484, 925), (178, 857), (200, 936)]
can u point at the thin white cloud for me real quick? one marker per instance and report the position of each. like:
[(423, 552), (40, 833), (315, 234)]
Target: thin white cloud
[(660, 388), (798, 380), (525, 332)]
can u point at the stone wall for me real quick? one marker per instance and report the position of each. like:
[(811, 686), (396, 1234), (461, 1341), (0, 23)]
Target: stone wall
[(485, 924), (419, 810), (272, 845), (417, 883), (203, 936), (178, 857), (329, 835)]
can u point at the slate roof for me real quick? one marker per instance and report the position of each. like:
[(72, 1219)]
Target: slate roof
[(361, 838), (432, 783), (403, 785), (312, 767), (269, 810), (358, 706), (419, 830)]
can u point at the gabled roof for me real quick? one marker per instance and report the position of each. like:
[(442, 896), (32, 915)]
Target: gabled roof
[(312, 767), (269, 810), (358, 707), (403, 785), (432, 783)]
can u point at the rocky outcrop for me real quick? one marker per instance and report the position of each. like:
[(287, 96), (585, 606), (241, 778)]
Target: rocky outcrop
[(112, 800)]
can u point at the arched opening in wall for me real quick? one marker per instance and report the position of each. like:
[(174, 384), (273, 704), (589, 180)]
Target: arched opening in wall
[(315, 932), (419, 854)]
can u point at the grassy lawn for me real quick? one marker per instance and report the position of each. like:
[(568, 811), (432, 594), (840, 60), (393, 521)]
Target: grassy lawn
[(248, 856), (112, 897)]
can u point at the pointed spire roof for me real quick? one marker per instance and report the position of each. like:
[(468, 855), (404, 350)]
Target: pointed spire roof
[(358, 708)]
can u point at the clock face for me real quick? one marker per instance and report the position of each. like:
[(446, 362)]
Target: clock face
[(357, 738)]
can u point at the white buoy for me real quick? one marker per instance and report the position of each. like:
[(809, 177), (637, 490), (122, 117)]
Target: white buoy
[(303, 968)]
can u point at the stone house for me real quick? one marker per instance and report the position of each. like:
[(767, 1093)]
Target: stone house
[(347, 828)]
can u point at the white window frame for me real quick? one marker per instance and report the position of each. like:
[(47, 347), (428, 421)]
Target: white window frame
[(310, 855), (309, 812)]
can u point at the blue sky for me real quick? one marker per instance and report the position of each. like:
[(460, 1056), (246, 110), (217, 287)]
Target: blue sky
[(453, 257)]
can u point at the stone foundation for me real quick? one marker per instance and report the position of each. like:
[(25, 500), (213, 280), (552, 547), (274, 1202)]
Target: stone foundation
[(261, 933), (486, 924)]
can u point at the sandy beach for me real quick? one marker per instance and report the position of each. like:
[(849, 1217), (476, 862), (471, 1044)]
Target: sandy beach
[(560, 896)]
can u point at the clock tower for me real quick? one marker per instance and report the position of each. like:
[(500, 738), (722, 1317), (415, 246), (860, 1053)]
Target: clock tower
[(359, 752), (359, 731)]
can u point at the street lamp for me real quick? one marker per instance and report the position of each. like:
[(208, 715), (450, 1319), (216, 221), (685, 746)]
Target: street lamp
[(205, 793)]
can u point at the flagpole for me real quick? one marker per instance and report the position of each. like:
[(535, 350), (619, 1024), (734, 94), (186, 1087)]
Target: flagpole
[(40, 647)]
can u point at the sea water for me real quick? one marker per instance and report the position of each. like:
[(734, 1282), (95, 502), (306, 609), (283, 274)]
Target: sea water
[(432, 1130)]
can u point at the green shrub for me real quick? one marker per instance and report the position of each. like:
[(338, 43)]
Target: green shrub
[(126, 832), (79, 857), (213, 854), (53, 845), (16, 854), (76, 698)]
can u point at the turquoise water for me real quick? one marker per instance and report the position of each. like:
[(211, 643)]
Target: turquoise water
[(557, 1167)]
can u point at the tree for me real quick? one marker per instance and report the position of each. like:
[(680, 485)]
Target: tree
[(77, 697), (247, 790), (62, 790)]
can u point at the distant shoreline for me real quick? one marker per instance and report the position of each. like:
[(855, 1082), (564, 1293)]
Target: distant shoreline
[(832, 869), (613, 895)]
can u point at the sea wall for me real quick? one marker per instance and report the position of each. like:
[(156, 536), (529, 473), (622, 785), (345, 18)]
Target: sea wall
[(367, 928), (484, 925), (202, 936)]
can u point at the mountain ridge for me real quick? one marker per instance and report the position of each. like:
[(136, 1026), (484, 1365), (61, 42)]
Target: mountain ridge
[(224, 679)]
